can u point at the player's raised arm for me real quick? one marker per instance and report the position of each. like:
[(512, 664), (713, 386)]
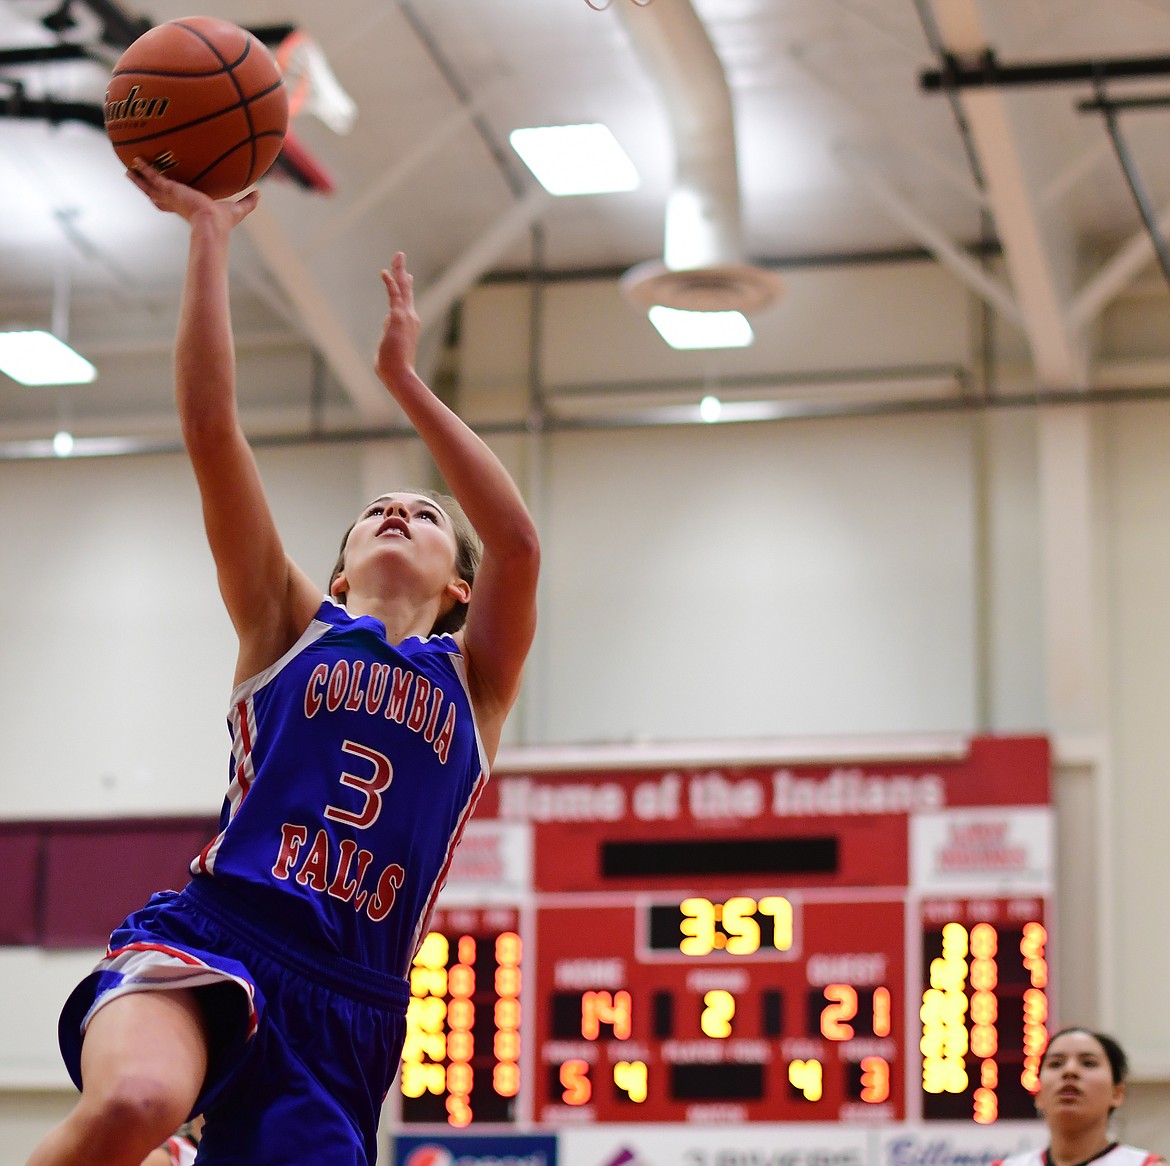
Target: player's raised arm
[(501, 615), (269, 600)]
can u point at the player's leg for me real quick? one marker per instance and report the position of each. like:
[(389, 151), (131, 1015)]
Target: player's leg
[(143, 1063)]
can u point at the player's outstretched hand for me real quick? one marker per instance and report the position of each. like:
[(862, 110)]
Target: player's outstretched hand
[(185, 201), (400, 329)]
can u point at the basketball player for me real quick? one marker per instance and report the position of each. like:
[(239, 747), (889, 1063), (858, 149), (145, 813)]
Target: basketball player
[(1082, 1082), (269, 993)]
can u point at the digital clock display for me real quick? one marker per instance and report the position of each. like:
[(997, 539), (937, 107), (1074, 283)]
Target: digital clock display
[(784, 943), (740, 926)]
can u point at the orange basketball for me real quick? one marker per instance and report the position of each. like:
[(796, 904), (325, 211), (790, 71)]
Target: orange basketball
[(202, 100)]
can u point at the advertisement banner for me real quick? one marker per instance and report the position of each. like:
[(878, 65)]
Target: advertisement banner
[(473, 1150)]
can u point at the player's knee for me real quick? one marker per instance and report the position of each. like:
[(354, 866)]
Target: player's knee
[(137, 1108)]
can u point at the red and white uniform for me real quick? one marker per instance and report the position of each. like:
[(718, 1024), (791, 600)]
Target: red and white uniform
[(182, 1150), (1115, 1155)]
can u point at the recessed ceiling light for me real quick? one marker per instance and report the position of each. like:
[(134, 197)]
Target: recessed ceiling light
[(576, 159)]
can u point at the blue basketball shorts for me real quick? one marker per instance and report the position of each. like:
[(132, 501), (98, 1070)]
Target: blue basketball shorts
[(303, 1046)]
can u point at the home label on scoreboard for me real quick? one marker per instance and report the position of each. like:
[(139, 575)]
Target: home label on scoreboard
[(859, 942)]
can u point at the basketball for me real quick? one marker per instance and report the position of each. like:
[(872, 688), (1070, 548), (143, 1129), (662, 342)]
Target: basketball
[(202, 100)]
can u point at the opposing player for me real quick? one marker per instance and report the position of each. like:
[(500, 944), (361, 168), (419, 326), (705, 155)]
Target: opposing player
[(269, 993), (1082, 1083), (180, 1148)]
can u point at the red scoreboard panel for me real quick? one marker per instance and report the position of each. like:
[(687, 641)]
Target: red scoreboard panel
[(758, 1018), (858, 940)]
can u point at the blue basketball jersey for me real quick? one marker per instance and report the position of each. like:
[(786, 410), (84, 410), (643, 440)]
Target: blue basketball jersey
[(355, 766)]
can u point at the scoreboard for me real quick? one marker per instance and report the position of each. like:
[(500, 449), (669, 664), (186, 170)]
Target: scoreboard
[(716, 1033), (853, 938)]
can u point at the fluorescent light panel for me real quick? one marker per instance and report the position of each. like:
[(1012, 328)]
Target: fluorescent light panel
[(39, 358), (701, 329), (576, 159)]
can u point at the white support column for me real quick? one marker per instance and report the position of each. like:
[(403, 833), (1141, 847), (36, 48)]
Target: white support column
[(1073, 631), (1076, 670), (1039, 250)]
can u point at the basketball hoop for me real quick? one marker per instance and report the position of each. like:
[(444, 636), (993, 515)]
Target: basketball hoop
[(312, 88), (311, 84), (606, 3)]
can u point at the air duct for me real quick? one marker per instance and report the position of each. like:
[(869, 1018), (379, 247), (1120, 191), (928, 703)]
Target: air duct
[(702, 268)]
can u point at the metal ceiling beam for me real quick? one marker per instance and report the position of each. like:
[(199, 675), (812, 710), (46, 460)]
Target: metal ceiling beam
[(982, 70), (119, 29), (42, 55), (936, 241), (956, 178), (434, 303), (438, 138), (1133, 179), (352, 367), (99, 446), (968, 67), (1038, 243), (18, 104), (1113, 277)]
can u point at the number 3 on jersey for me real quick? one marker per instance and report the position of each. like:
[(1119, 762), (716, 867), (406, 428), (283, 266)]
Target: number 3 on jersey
[(371, 787)]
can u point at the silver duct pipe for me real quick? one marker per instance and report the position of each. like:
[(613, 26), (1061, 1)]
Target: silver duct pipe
[(703, 267)]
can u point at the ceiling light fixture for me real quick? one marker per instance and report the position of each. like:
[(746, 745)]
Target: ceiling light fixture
[(39, 358), (35, 357), (710, 408), (575, 159), (683, 329)]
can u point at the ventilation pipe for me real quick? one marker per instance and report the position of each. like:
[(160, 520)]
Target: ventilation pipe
[(703, 268)]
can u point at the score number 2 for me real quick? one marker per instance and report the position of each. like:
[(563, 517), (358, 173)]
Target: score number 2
[(734, 925)]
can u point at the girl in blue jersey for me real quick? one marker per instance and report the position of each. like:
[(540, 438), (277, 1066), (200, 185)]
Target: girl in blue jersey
[(269, 993)]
